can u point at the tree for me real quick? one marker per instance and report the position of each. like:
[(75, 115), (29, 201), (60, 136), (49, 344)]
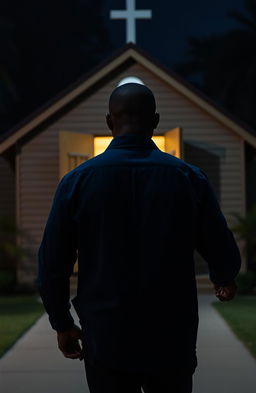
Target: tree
[(245, 228), (11, 252), (8, 63), (45, 47), (226, 65)]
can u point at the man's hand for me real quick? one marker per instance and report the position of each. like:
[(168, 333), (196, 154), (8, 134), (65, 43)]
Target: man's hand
[(225, 293), (68, 343)]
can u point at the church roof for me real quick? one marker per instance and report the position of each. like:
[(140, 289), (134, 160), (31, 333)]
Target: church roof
[(91, 81)]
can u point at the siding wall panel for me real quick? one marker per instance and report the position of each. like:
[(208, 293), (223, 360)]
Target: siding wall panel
[(7, 189)]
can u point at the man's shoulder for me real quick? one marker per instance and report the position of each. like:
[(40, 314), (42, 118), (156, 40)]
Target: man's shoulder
[(183, 166), (198, 178), (194, 175), (196, 171), (81, 169)]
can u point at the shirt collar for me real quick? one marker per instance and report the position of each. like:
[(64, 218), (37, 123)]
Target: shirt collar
[(132, 141)]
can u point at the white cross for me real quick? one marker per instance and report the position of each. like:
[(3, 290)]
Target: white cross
[(131, 14)]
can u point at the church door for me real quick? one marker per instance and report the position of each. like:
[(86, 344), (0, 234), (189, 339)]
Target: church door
[(174, 142)]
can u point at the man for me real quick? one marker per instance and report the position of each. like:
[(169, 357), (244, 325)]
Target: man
[(134, 215)]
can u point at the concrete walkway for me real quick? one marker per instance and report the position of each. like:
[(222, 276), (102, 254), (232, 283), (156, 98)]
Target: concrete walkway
[(35, 365), (224, 364)]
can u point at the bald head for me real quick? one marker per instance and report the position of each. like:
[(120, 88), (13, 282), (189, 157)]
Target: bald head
[(132, 110)]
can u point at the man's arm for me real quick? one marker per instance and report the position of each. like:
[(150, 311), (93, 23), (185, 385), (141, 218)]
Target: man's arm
[(215, 241), (56, 257)]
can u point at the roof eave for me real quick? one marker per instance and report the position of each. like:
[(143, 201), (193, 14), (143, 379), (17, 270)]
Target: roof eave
[(130, 51)]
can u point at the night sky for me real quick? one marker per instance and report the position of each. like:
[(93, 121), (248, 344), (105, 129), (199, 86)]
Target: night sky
[(165, 35), (47, 45)]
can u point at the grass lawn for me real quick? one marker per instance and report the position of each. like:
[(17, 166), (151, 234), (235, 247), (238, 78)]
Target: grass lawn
[(17, 314), (240, 314)]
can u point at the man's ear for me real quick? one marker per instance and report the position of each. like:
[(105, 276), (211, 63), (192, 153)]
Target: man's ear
[(109, 121), (156, 119)]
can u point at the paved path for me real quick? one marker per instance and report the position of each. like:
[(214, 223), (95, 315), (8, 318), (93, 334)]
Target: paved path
[(224, 364), (35, 365)]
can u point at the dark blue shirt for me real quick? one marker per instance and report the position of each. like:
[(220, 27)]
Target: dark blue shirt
[(134, 216)]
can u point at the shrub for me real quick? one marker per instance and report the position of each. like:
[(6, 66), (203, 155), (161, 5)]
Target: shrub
[(245, 228), (7, 280), (246, 283), (11, 252)]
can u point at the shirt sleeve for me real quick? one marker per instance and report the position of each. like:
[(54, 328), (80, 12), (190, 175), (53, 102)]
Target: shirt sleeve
[(57, 255), (215, 241)]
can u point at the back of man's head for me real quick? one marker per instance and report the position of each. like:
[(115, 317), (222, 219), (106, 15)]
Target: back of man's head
[(132, 110)]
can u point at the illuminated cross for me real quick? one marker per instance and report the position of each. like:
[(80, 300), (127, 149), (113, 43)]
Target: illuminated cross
[(131, 14)]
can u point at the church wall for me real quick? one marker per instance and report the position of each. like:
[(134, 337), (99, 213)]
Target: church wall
[(39, 158), (39, 176), (7, 198), (7, 189)]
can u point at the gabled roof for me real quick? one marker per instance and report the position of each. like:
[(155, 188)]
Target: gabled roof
[(129, 54)]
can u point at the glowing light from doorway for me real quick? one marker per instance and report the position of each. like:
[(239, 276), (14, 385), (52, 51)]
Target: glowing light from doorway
[(101, 143)]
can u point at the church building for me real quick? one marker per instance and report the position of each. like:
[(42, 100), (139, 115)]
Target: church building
[(71, 128)]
